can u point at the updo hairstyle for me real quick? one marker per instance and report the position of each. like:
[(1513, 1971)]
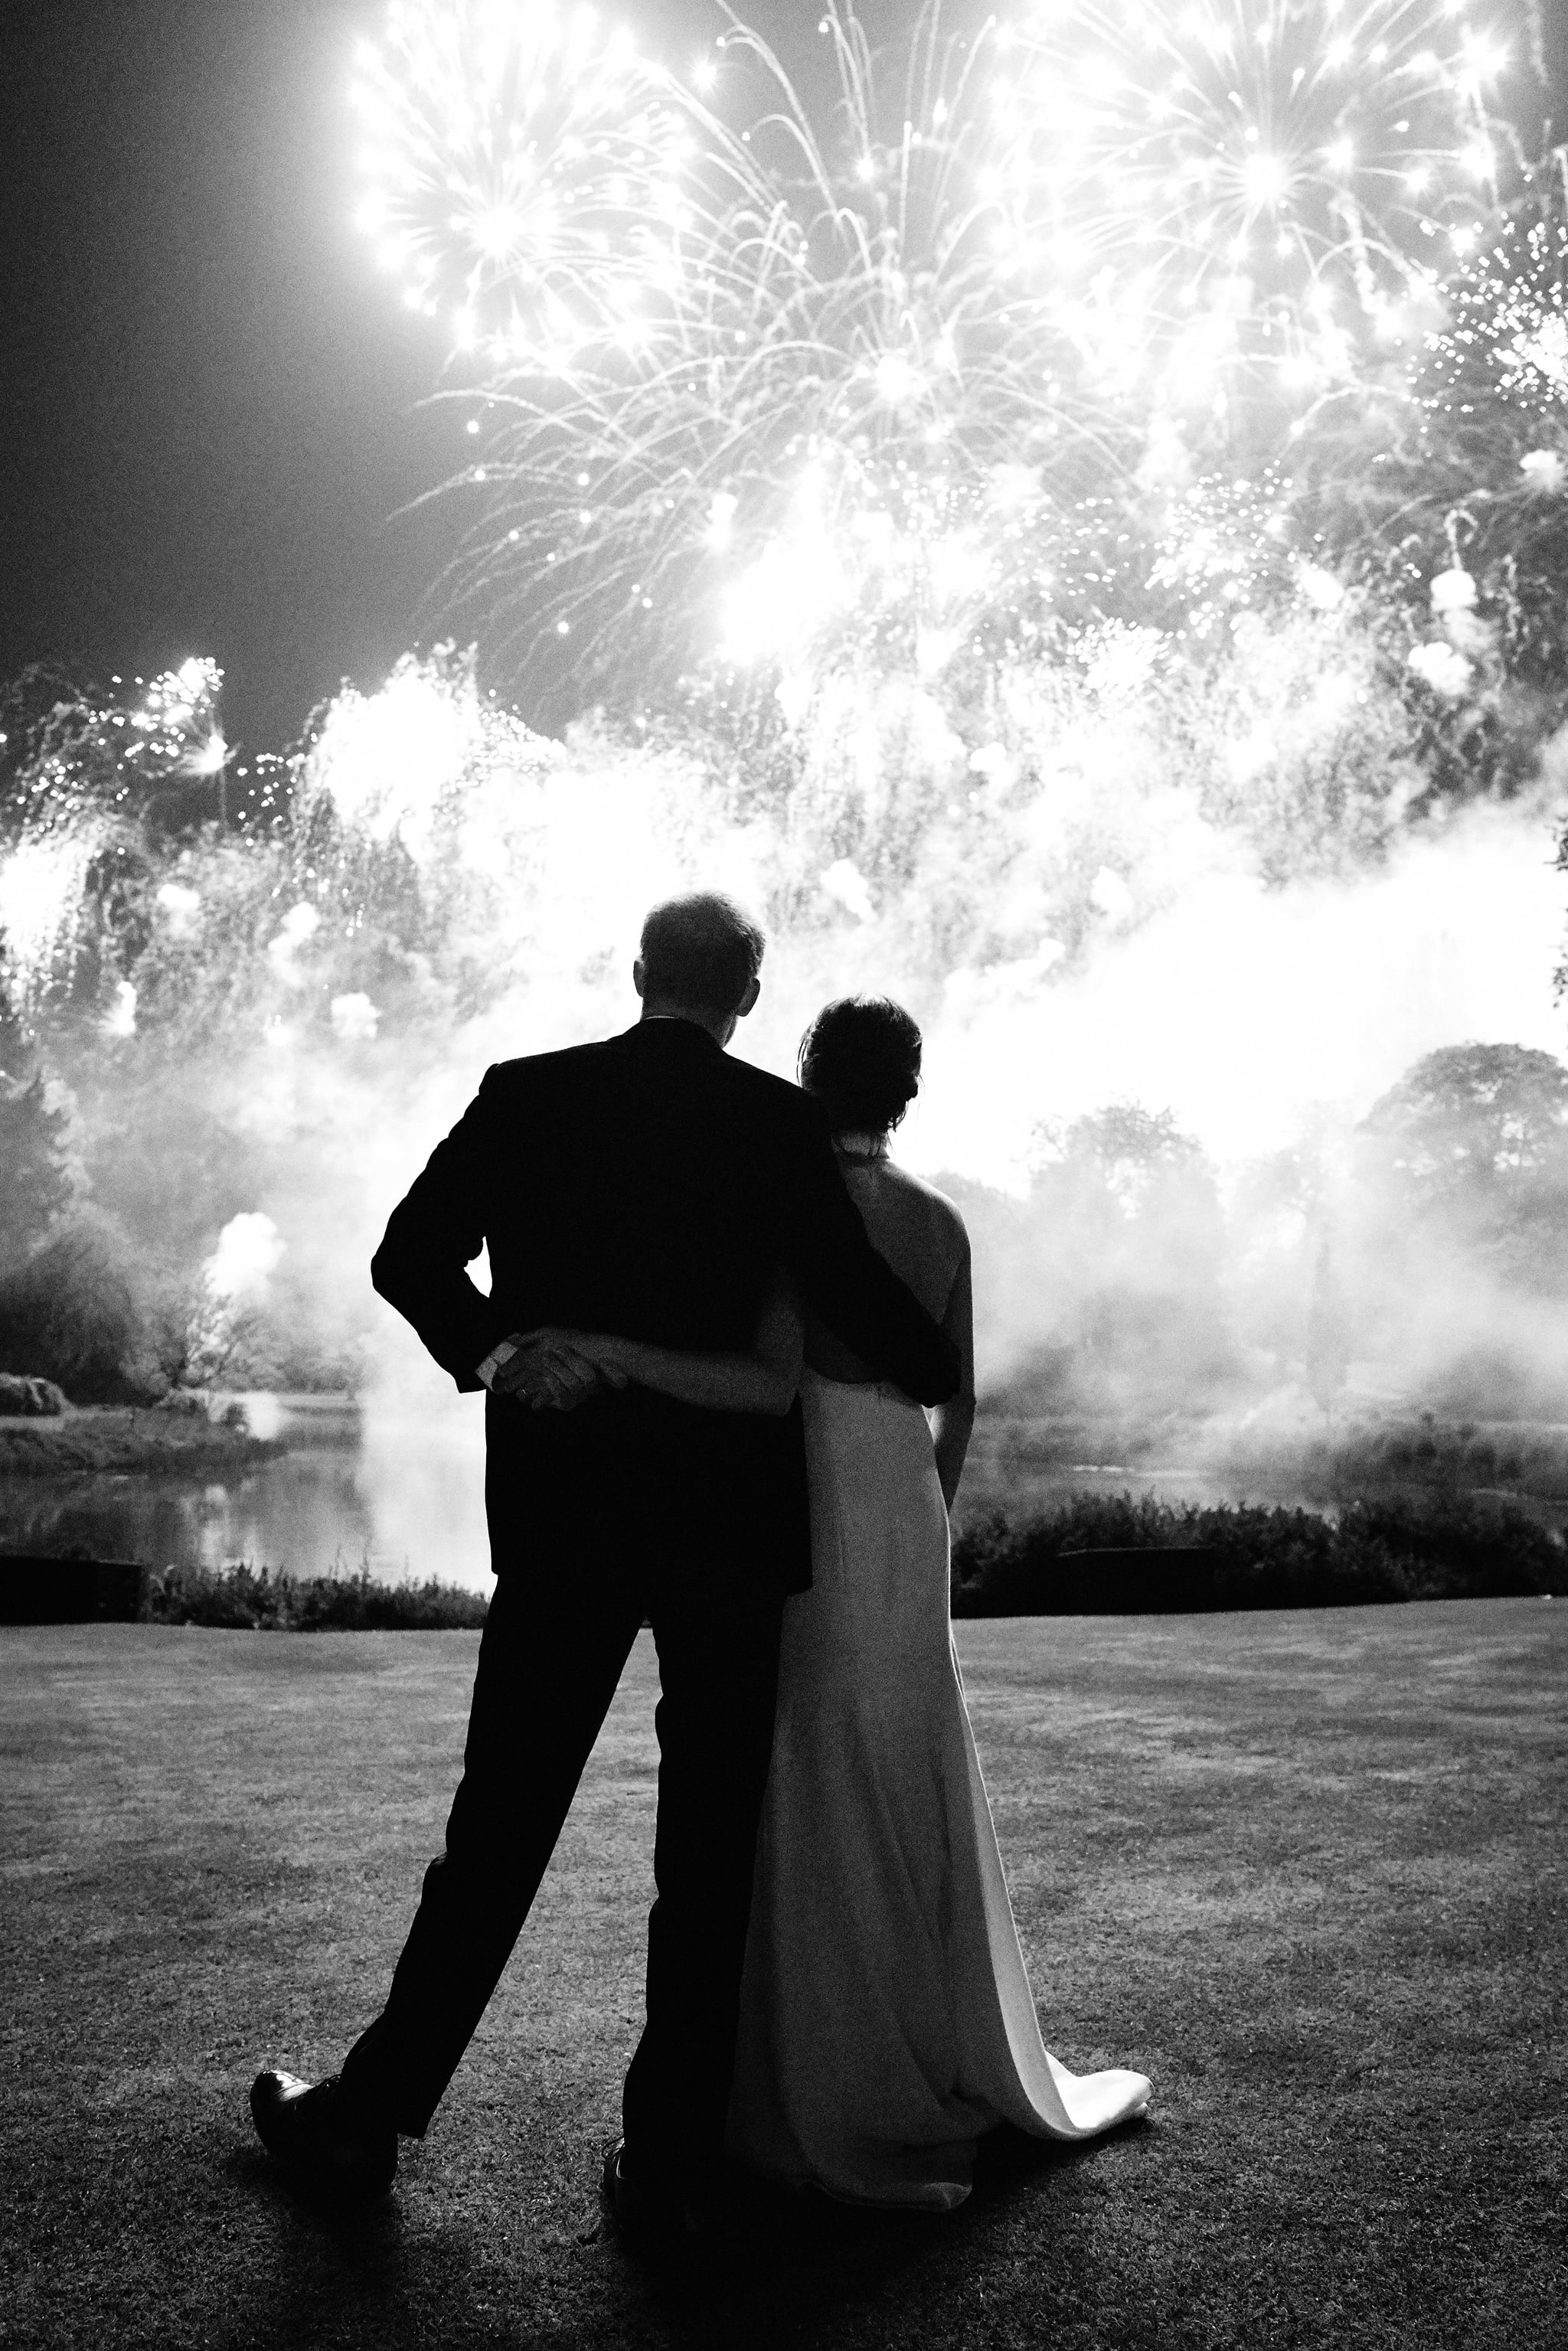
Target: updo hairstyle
[(861, 1059)]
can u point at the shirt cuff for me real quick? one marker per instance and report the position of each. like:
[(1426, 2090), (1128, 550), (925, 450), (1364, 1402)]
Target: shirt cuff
[(499, 1355)]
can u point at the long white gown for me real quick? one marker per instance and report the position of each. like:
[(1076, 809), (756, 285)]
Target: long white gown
[(887, 2018)]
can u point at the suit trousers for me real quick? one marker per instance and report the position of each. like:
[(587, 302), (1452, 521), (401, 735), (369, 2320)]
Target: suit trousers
[(552, 1652)]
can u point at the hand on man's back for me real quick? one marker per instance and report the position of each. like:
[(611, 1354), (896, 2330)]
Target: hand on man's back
[(546, 1373)]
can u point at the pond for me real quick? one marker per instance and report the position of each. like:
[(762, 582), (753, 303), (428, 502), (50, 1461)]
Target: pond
[(400, 1493), (397, 1485)]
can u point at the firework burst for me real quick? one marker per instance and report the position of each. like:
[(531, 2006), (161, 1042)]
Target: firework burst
[(521, 176), (1505, 343), (830, 359), (836, 358), (1251, 186)]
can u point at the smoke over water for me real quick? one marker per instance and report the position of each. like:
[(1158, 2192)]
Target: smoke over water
[(1123, 946), (1157, 1016)]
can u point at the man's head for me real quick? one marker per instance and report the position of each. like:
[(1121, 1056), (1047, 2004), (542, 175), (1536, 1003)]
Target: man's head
[(699, 961)]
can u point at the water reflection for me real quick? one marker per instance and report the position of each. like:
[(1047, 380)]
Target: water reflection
[(402, 1494), (397, 1484)]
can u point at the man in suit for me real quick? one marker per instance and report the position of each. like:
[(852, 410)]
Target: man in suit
[(650, 1187)]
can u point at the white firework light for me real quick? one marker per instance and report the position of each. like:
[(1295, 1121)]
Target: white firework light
[(1274, 181), (521, 176), (747, 358)]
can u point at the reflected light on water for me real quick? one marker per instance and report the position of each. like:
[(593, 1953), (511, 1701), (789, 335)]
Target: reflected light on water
[(396, 1487)]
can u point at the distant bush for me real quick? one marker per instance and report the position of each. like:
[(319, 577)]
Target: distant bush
[(25, 1397), (68, 1313), (1449, 1549), (241, 1598), (83, 1310), (1439, 1455), (1433, 1453), (1442, 1455)]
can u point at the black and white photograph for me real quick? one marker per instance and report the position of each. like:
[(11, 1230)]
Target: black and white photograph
[(783, 1174)]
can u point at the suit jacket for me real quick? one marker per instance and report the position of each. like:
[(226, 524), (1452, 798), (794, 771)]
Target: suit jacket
[(647, 1185)]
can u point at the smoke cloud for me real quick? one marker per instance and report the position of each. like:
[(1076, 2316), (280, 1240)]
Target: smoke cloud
[(1226, 910)]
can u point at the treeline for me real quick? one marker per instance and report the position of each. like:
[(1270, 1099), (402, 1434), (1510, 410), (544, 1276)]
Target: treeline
[(1424, 1246)]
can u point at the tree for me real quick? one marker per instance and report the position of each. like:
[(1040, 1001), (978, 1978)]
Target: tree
[(1131, 1149), (1328, 1334), (1473, 1123), (1115, 1270), (75, 1311), (37, 1176), (16, 1044)]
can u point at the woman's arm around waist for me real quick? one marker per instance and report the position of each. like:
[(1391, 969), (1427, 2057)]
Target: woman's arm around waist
[(762, 1378)]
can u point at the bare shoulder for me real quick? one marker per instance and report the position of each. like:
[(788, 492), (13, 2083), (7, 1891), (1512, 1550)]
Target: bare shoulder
[(941, 1213), (913, 1225)]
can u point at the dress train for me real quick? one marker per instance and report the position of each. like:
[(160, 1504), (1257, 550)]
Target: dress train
[(886, 2016)]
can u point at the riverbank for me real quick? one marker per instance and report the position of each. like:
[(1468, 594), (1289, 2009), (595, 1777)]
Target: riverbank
[(1021, 1465), (323, 1484), (128, 1439)]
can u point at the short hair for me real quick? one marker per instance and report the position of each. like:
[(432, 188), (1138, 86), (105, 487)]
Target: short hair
[(701, 952), (861, 1058)]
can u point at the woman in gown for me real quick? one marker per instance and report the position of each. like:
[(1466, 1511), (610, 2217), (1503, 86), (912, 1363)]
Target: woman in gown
[(887, 2020)]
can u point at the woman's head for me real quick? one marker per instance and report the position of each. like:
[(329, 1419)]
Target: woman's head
[(861, 1058)]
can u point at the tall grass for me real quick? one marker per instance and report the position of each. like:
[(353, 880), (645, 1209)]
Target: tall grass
[(274, 1601)]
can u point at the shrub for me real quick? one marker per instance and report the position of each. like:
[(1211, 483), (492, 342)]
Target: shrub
[(1446, 1548), (238, 1597), (70, 1312), (23, 1397), (95, 1313)]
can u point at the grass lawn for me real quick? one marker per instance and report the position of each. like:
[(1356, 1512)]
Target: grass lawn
[(1300, 1868)]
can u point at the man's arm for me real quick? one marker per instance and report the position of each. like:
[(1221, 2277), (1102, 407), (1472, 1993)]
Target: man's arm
[(854, 1290), (431, 1236)]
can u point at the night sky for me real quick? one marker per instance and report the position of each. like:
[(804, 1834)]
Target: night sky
[(211, 399)]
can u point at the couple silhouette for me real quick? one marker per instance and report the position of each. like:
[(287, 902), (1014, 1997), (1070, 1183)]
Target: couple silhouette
[(717, 1307)]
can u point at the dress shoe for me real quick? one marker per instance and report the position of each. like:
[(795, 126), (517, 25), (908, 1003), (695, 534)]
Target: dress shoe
[(323, 2144), (679, 2227)]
